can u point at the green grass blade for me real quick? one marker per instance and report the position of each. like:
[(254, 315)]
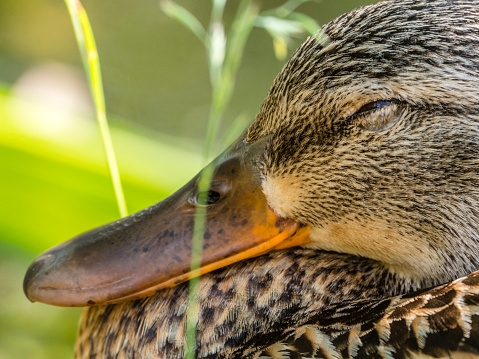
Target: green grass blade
[(196, 256), (222, 89), (286, 9), (223, 75), (91, 62), (309, 24), (217, 41), (184, 17)]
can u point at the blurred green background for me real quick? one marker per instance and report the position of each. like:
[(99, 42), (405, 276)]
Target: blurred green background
[(54, 180)]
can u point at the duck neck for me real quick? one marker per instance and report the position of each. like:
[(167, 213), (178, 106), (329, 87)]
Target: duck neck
[(239, 305), (432, 254)]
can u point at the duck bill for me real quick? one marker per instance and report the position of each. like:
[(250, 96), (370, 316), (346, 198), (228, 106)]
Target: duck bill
[(141, 254)]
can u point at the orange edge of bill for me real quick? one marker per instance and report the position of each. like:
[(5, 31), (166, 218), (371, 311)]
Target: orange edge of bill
[(286, 239)]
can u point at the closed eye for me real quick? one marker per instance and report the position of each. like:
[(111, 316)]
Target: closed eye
[(376, 105), (379, 115)]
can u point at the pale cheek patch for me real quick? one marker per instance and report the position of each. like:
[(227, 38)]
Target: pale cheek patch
[(282, 194), (407, 255)]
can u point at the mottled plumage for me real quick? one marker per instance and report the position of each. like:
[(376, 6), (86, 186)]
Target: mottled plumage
[(373, 141), (255, 298)]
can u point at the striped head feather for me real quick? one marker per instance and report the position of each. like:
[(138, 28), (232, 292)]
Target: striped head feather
[(374, 137)]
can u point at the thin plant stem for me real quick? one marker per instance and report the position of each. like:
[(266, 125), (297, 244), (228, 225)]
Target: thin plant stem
[(224, 59), (91, 63), (196, 256), (223, 86)]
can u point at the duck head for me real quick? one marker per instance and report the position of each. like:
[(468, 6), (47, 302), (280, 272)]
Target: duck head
[(366, 144), (136, 256)]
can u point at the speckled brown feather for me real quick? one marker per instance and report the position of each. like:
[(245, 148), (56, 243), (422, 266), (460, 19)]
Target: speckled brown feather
[(440, 323), (244, 306), (395, 189), (299, 301)]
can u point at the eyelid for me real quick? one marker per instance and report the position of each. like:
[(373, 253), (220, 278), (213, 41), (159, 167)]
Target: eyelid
[(378, 115), (372, 106)]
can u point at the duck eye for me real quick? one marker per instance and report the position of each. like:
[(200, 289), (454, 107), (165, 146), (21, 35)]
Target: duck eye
[(378, 116), (207, 198), (376, 105)]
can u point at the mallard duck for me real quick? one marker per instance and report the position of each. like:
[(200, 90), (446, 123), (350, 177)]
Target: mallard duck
[(342, 223)]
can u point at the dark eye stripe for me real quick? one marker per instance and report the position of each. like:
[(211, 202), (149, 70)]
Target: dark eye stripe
[(376, 105)]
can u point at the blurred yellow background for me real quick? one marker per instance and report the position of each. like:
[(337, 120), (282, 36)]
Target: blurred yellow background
[(54, 180)]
